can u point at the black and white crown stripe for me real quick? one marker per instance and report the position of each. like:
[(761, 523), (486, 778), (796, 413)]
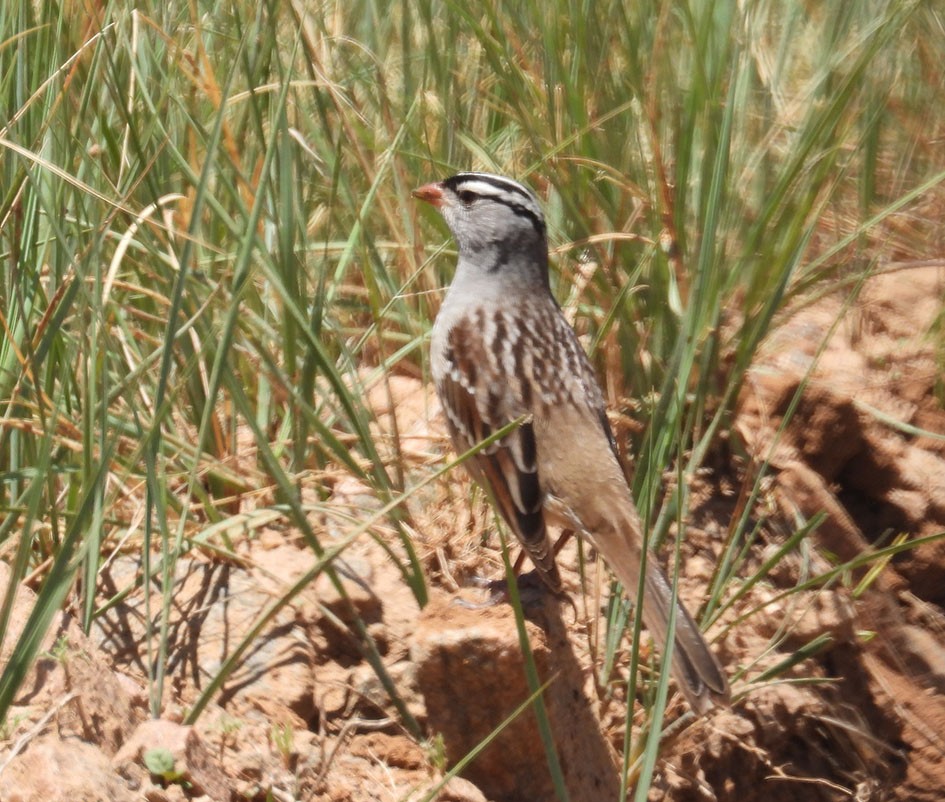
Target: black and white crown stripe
[(501, 190)]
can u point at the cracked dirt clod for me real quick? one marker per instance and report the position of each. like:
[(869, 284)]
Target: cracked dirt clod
[(470, 669)]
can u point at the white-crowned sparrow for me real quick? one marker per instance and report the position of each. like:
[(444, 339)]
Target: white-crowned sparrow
[(502, 350)]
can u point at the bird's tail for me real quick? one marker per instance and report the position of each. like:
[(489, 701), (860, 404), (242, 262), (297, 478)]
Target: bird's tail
[(694, 666)]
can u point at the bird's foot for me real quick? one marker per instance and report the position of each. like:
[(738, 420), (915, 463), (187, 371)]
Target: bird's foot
[(530, 587)]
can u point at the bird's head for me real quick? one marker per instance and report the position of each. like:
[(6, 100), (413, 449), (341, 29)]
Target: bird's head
[(492, 218)]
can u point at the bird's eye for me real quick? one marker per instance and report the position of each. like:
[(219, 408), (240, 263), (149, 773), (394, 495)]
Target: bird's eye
[(467, 196)]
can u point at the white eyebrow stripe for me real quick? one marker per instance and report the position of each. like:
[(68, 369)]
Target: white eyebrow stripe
[(500, 189), (490, 189)]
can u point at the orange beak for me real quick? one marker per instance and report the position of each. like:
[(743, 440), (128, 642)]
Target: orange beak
[(431, 193)]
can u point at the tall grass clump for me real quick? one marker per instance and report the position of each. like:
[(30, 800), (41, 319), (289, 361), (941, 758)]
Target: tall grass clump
[(208, 250)]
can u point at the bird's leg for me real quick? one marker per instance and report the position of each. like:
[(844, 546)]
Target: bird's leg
[(564, 537), (519, 563), (530, 584)]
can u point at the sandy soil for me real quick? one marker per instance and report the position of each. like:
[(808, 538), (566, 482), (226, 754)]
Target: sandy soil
[(858, 715)]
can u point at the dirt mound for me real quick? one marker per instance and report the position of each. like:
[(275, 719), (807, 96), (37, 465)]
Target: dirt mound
[(865, 445)]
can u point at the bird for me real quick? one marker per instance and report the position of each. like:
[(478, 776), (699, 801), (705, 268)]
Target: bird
[(501, 351)]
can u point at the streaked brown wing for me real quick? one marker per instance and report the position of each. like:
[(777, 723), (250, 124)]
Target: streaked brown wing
[(508, 468)]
